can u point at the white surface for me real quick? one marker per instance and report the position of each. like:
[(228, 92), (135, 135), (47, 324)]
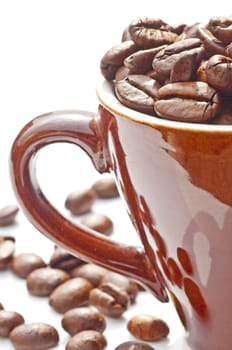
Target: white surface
[(50, 53)]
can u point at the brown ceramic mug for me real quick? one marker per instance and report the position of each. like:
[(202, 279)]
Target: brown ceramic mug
[(176, 179)]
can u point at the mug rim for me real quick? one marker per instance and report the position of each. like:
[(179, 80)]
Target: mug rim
[(107, 98)]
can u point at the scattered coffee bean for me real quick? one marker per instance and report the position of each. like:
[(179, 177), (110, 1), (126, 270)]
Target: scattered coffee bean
[(70, 294), (147, 327), (83, 318), (93, 273), (62, 259), (43, 281), (8, 215), (24, 263), (109, 299), (8, 321), (81, 201), (36, 336), (7, 249), (127, 284), (1, 306), (105, 187), (98, 222), (87, 340), (134, 345)]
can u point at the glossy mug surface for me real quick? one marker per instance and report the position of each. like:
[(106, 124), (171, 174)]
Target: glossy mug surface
[(176, 181)]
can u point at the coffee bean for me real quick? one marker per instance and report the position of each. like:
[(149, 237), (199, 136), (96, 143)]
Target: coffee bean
[(221, 27), (87, 340), (1, 306), (147, 327), (8, 321), (219, 73), (81, 201), (70, 294), (127, 284), (36, 336), (8, 215), (93, 273), (114, 58), (42, 281), (134, 345), (24, 263), (109, 299), (98, 222), (83, 318), (62, 259), (151, 32), (188, 101), (105, 187), (7, 248)]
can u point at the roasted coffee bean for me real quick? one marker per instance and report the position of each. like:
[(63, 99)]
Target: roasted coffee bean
[(7, 249), (188, 102), (83, 318), (91, 272), (147, 327), (109, 299), (137, 92), (212, 45), (62, 259), (168, 61), (8, 321), (219, 73), (1, 306), (87, 340), (70, 294), (36, 336), (24, 263), (127, 284), (98, 222), (8, 215), (105, 187), (43, 281), (151, 32), (228, 52), (221, 27), (134, 345), (225, 117), (81, 201), (140, 62), (114, 58)]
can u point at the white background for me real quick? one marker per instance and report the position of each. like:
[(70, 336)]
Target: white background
[(49, 60)]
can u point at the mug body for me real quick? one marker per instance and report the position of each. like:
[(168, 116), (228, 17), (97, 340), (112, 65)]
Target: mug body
[(176, 182)]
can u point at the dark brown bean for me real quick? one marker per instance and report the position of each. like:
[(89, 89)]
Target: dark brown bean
[(127, 284), (221, 27), (151, 32), (24, 263), (62, 259), (114, 58), (98, 222), (36, 336), (7, 249), (8, 321), (1, 306), (93, 273), (147, 327), (188, 102), (81, 201), (109, 299), (70, 294), (87, 340), (105, 187), (218, 72), (8, 215), (42, 281), (134, 345), (83, 318), (212, 45)]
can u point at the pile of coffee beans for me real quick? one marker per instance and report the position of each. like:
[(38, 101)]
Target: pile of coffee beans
[(83, 294), (178, 72)]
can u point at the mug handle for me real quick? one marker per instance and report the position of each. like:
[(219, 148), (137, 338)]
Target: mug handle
[(79, 128)]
